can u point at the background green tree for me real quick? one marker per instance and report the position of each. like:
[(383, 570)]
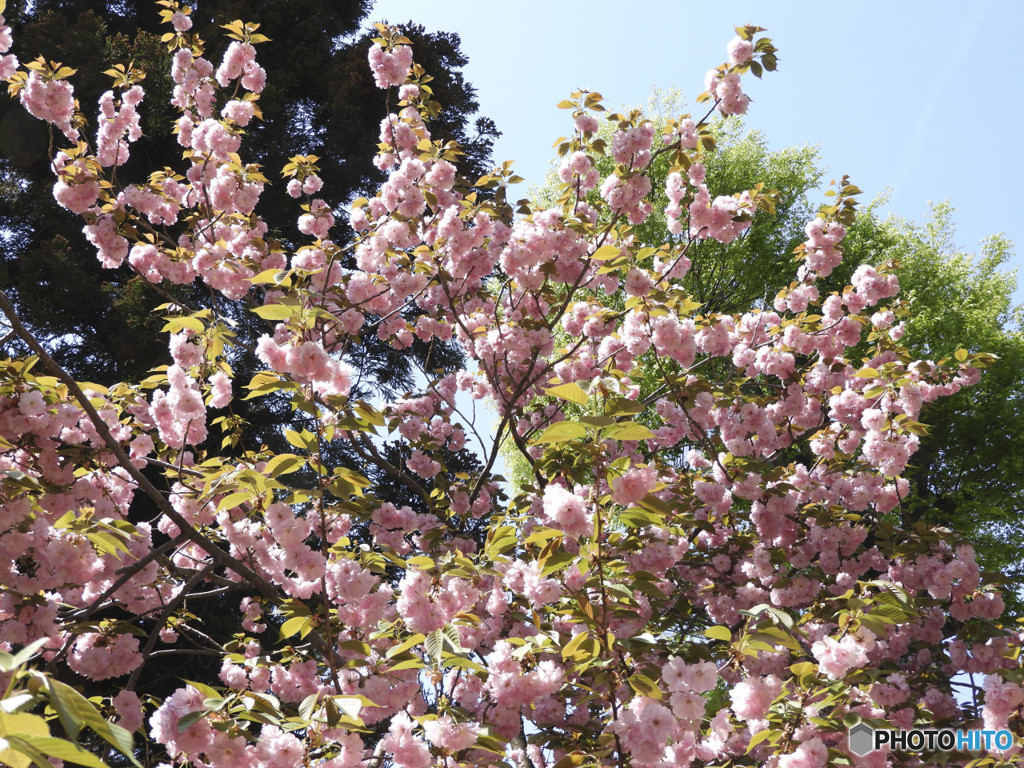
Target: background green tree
[(962, 477)]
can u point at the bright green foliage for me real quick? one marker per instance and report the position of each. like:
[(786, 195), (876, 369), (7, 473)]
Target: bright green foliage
[(25, 737), (962, 477)]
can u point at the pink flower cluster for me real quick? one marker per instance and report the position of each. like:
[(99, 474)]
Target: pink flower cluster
[(179, 413), (77, 188), (117, 126), (8, 62), (426, 607), (837, 657), (240, 62), (307, 361), (632, 486), (98, 657), (567, 511), (631, 147), (726, 88), (740, 51), (723, 219), (50, 100), (390, 67), (578, 170)]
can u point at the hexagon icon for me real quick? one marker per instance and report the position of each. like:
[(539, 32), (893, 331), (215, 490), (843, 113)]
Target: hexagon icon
[(862, 739)]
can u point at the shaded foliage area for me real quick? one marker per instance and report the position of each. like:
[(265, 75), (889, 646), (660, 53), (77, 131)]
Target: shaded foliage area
[(98, 320)]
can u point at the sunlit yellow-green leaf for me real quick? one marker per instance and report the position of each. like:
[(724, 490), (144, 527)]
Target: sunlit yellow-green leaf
[(274, 312), (628, 430), (718, 633), (283, 464), (572, 392), (301, 625), (21, 723), (561, 432)]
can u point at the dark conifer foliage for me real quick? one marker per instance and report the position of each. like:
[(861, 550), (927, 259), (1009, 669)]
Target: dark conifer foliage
[(320, 100)]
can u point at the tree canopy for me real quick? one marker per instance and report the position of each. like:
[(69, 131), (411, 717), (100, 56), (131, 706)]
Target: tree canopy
[(706, 565)]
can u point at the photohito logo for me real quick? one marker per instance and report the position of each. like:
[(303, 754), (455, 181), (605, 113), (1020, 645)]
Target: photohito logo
[(864, 739)]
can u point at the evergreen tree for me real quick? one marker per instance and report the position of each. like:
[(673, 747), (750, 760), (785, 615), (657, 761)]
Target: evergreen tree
[(98, 321)]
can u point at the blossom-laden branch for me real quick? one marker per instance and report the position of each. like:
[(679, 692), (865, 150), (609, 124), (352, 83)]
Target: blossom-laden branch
[(700, 570)]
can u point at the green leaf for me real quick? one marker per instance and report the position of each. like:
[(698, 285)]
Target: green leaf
[(107, 544), (622, 406), (305, 439), (64, 699), (80, 710), (627, 430), (9, 662), (284, 464), (462, 663), (718, 633), (275, 276), (61, 749), (404, 645), (572, 392), (187, 721), (175, 323), (542, 535), (413, 663), (19, 754), (350, 705), (301, 625), (15, 702), (556, 562), (606, 252), (233, 500), (20, 726), (434, 643), (645, 686), (561, 432), (758, 737), (640, 518), (573, 760), (356, 646), (274, 312), (581, 647), (308, 707), (450, 636), (207, 691)]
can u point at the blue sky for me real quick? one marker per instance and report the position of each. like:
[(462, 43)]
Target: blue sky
[(923, 98)]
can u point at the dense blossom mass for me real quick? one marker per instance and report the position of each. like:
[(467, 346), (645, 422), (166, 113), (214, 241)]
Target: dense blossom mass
[(702, 567)]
